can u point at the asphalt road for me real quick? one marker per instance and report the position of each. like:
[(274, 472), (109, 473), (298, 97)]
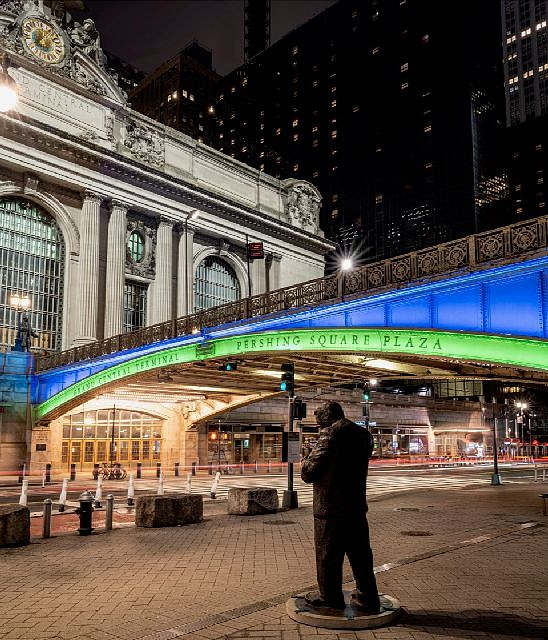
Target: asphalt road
[(381, 481)]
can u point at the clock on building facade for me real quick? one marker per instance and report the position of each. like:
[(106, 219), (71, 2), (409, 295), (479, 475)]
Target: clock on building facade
[(42, 40)]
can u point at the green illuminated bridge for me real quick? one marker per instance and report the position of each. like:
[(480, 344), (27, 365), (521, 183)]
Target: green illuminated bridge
[(471, 308)]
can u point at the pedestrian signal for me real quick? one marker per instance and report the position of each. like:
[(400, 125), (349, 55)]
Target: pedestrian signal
[(228, 366), (287, 383), (299, 409)]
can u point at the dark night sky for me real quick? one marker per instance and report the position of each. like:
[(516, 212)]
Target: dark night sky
[(145, 33)]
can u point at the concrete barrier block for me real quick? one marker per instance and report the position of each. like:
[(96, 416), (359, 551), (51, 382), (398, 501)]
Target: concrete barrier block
[(251, 502), (14, 525), (168, 510)]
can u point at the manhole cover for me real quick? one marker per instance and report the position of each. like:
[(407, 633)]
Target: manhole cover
[(406, 509), (416, 533), (279, 522)]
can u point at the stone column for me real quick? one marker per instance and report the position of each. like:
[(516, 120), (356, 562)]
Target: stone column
[(161, 298), (273, 271), (258, 277), (185, 271), (88, 281), (116, 266)]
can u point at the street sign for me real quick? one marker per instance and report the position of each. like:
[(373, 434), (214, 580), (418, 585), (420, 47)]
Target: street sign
[(255, 250), (291, 446)]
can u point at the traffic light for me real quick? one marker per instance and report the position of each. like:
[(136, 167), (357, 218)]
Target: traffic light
[(228, 366), (299, 409), (287, 382), (366, 393)]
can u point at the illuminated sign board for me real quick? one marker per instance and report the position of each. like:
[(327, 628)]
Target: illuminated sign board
[(481, 348)]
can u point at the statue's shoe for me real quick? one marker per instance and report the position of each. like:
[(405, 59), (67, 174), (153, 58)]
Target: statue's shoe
[(364, 608), (317, 601)]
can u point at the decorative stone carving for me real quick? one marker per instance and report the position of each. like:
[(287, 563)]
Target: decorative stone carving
[(86, 38), (224, 248), (146, 268), (13, 6), (303, 205), (144, 144), (86, 79), (83, 62)]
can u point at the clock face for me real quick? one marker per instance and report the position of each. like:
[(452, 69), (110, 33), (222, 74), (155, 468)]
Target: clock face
[(42, 40)]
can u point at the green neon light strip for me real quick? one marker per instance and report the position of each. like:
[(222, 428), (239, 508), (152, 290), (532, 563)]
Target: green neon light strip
[(520, 352)]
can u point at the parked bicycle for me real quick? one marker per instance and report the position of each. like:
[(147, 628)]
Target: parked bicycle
[(109, 471)]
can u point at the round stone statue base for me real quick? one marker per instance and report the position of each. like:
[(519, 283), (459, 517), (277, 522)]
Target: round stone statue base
[(300, 610)]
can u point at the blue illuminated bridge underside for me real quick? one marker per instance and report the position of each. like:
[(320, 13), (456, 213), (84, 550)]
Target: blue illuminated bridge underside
[(497, 315)]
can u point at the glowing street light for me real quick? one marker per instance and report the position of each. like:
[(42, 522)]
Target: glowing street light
[(21, 303), (8, 86), (347, 264)]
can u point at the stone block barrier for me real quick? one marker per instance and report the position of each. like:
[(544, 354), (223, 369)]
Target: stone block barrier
[(251, 502), (14, 525), (168, 510)]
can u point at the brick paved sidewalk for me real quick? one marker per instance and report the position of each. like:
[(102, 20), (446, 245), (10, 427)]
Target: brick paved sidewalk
[(464, 564)]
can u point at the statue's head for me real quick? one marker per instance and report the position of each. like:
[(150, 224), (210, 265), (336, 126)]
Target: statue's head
[(328, 413)]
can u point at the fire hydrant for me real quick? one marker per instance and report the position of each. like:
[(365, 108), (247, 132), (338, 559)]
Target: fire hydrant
[(84, 511)]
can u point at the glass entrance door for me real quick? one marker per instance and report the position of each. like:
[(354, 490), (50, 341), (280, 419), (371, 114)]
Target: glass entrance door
[(242, 450)]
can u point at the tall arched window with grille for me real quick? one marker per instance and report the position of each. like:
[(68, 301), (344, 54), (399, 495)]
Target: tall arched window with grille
[(216, 283), (32, 258)]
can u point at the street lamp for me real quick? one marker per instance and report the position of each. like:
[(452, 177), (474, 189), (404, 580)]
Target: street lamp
[(8, 86), (345, 264), (21, 303)]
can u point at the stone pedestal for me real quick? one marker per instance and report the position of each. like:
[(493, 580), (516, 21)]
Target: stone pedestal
[(350, 618), (168, 510), (251, 502), (14, 525)]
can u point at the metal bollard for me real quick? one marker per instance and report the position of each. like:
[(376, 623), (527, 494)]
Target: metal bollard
[(84, 511), (43, 478), (242, 469), (22, 468), (95, 472), (158, 469), (193, 468), (48, 472), (269, 467), (73, 471), (256, 466), (63, 496), (160, 491), (210, 471), (98, 493), (189, 482), (139, 470), (177, 469), (214, 484), (24, 492), (130, 491), (110, 512), (46, 519)]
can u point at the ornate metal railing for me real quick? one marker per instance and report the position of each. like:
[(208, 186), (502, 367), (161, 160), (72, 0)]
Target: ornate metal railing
[(506, 243)]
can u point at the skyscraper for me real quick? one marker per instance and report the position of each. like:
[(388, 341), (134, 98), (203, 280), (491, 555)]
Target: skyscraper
[(392, 109), (525, 42)]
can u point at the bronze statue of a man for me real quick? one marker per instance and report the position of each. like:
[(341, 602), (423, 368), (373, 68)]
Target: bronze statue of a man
[(337, 467)]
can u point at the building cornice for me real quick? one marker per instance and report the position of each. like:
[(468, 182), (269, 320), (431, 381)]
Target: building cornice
[(51, 141)]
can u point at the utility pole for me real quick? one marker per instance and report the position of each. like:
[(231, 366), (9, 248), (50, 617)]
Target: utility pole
[(495, 479)]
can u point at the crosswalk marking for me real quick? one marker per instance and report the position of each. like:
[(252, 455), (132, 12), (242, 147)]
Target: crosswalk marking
[(377, 485)]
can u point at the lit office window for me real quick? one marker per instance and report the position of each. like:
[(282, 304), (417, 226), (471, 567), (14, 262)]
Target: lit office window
[(216, 283), (32, 258)]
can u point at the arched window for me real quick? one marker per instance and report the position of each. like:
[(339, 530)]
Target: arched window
[(216, 283), (32, 257)]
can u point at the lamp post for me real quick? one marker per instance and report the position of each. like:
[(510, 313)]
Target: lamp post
[(8, 87), (21, 303), (346, 264), (495, 479)]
